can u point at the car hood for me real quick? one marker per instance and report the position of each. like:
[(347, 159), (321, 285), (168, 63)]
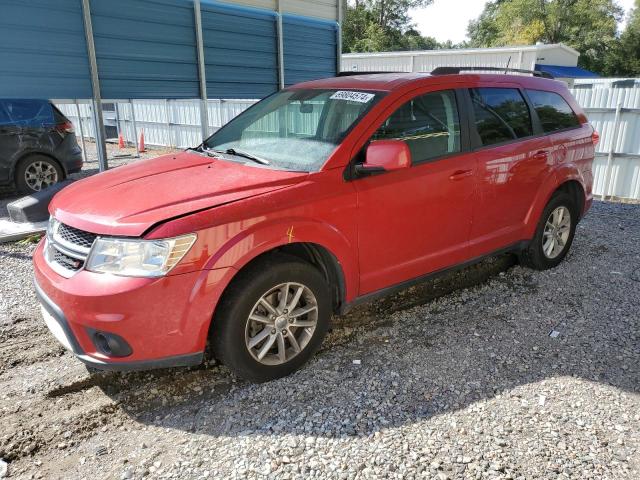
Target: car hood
[(129, 200)]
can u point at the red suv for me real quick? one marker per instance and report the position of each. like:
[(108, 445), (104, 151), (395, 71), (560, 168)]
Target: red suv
[(321, 196)]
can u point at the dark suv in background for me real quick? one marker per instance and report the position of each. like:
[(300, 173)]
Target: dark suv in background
[(38, 145)]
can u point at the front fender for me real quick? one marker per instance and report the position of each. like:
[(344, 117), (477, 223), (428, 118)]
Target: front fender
[(260, 238)]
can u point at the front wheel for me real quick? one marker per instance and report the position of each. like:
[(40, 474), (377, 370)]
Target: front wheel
[(272, 319), (554, 234)]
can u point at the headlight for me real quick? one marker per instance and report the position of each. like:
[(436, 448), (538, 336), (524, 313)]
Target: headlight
[(138, 258)]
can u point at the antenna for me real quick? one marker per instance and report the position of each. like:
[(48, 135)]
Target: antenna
[(507, 67)]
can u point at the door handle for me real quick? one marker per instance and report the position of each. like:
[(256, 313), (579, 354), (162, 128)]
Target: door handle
[(460, 174), (541, 155)]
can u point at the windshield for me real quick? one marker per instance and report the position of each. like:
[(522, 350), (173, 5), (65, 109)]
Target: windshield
[(293, 129)]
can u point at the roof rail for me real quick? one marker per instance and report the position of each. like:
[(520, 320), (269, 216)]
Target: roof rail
[(352, 73), (457, 70)]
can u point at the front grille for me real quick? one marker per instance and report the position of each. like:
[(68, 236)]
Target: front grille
[(67, 262), (67, 248), (75, 237)]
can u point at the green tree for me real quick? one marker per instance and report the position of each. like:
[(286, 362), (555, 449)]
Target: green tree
[(382, 25), (589, 26), (625, 58)]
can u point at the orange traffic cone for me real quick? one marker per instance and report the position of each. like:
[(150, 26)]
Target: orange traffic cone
[(141, 144), (120, 141)]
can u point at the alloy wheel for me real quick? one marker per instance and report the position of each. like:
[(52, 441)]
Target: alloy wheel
[(39, 175), (556, 232), (281, 323)]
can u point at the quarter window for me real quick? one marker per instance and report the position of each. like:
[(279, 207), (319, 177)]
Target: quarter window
[(501, 115), (429, 124), (553, 110)]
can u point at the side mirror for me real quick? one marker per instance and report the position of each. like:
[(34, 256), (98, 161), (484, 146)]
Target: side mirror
[(385, 156)]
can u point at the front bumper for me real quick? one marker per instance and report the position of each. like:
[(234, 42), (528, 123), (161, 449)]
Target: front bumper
[(165, 321), (59, 327)]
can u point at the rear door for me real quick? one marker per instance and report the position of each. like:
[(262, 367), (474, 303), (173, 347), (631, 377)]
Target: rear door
[(417, 220), (513, 160), (570, 139)]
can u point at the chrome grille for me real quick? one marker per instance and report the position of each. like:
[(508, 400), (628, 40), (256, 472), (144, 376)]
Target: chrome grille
[(66, 261), (75, 237), (67, 248)]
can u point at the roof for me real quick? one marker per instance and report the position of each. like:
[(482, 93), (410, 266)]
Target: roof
[(391, 81), (377, 81), (461, 51), (560, 71)]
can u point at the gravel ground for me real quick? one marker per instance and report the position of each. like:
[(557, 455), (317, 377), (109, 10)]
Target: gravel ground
[(457, 378)]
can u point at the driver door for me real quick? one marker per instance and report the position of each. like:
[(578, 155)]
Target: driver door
[(417, 220)]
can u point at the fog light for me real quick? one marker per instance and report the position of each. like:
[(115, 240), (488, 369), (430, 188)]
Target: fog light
[(110, 344)]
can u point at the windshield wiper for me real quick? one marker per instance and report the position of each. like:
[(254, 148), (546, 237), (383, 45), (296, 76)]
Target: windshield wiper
[(235, 152), (242, 153)]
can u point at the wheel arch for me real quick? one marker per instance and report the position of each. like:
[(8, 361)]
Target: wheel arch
[(25, 155), (312, 241), (566, 178), (316, 255)]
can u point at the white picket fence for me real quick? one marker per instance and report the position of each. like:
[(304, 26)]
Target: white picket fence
[(612, 105)]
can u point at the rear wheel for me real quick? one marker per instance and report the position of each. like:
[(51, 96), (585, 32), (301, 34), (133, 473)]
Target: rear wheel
[(37, 172), (272, 319), (554, 234)]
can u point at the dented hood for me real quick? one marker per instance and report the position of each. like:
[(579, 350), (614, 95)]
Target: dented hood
[(129, 200)]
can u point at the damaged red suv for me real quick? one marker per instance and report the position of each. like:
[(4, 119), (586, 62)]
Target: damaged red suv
[(322, 196)]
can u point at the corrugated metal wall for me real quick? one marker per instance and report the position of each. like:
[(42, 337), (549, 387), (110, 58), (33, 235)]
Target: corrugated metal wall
[(43, 43), (173, 123), (145, 48), (240, 50), (619, 148), (310, 47), (425, 61), (327, 9)]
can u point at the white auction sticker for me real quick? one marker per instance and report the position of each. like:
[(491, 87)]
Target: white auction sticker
[(360, 97)]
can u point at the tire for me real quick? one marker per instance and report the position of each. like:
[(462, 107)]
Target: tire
[(538, 254), (37, 172), (235, 337)]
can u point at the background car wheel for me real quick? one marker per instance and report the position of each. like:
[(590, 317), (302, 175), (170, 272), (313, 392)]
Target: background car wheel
[(37, 172), (272, 318), (554, 234)]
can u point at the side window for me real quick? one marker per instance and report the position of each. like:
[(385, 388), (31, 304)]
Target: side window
[(429, 124), (501, 114), (553, 110)]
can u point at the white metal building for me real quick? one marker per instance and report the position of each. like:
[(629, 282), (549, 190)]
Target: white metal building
[(530, 57)]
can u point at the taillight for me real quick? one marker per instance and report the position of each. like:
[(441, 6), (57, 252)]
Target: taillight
[(595, 137), (65, 127)]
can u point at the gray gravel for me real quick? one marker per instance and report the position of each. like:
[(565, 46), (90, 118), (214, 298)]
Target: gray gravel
[(454, 379)]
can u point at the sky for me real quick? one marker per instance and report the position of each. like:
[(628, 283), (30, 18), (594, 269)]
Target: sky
[(448, 19)]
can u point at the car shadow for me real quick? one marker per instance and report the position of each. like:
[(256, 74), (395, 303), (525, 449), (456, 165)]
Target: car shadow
[(435, 348)]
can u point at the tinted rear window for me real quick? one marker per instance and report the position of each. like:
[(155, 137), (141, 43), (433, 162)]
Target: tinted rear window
[(501, 115), (33, 113), (553, 110)]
